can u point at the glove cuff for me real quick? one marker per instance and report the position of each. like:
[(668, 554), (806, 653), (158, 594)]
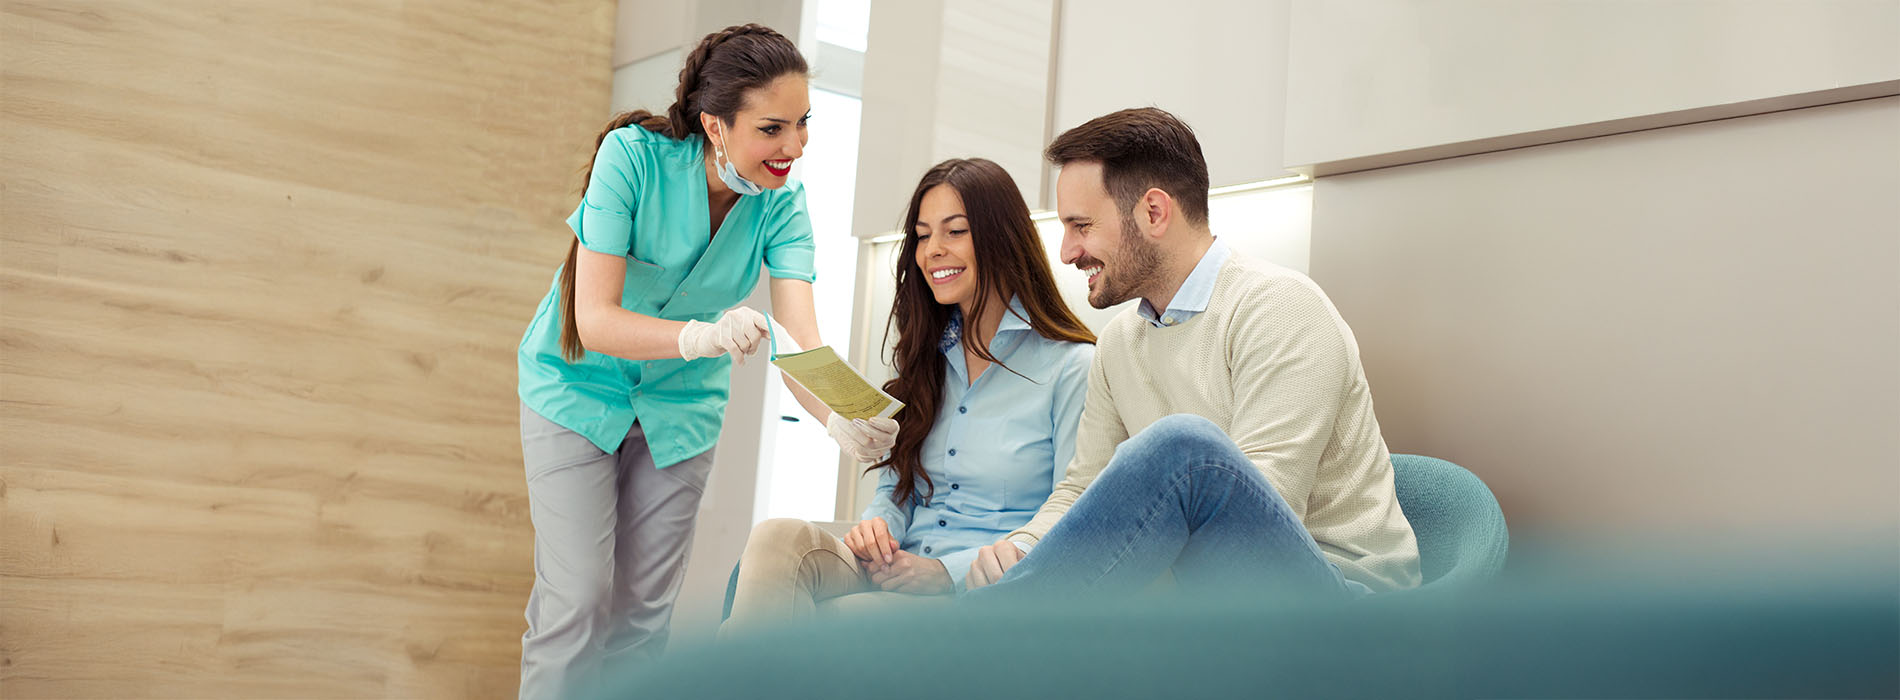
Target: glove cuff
[(689, 335)]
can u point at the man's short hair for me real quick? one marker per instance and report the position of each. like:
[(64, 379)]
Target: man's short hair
[(1139, 149)]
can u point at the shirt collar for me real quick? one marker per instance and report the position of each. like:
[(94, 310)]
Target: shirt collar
[(1195, 291), (952, 331), (1014, 320)]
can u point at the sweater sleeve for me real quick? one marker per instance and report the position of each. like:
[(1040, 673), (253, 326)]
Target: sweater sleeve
[(1290, 370), (1097, 433)]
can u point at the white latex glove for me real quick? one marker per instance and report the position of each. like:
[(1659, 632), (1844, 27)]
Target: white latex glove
[(737, 333), (864, 439)]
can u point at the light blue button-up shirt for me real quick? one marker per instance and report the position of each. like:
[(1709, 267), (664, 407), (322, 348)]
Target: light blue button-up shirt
[(1191, 299), (998, 447)]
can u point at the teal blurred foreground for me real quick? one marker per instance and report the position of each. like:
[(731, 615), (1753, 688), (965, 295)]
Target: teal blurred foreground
[(1576, 626)]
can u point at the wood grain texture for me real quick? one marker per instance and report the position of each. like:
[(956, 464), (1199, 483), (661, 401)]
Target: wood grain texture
[(263, 269)]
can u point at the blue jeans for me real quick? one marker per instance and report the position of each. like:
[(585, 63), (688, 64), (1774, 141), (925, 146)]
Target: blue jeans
[(1179, 495)]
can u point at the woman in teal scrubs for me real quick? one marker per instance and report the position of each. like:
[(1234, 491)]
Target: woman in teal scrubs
[(625, 370)]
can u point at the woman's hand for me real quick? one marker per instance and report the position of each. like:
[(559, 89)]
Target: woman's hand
[(737, 333), (864, 439), (871, 541), (914, 575)]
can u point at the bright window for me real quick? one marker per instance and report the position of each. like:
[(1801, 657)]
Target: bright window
[(801, 469)]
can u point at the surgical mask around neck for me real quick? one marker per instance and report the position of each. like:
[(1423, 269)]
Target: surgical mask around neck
[(730, 175)]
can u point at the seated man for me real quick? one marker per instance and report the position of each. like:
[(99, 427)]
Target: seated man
[(1228, 432)]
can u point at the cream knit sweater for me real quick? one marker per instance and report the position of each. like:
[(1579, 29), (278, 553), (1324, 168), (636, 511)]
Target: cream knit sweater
[(1272, 363)]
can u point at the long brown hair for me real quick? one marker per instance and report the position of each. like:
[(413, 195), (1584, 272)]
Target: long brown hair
[(714, 80), (1009, 261)]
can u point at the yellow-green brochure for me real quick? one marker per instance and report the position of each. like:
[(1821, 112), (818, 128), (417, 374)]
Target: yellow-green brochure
[(827, 377)]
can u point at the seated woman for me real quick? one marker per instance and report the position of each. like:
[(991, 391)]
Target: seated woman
[(993, 368)]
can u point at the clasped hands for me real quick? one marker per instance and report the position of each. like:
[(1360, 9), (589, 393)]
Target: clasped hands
[(893, 569)]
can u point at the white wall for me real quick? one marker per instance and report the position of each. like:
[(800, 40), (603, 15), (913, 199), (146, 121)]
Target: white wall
[(1219, 65), (1378, 76), (1646, 329), (643, 28), (648, 83), (993, 90), (1672, 309), (950, 80), (1678, 332), (898, 119)]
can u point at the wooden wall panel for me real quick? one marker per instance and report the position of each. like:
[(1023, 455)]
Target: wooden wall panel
[(264, 268)]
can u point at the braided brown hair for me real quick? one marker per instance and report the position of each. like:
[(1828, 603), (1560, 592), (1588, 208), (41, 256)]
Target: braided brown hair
[(716, 76)]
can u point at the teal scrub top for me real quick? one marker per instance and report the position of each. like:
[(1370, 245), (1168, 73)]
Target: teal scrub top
[(646, 201)]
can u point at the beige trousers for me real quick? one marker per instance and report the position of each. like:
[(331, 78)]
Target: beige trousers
[(790, 567)]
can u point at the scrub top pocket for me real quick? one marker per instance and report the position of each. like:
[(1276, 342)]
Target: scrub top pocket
[(639, 282)]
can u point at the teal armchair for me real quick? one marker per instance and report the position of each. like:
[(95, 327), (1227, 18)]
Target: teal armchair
[(1462, 539)]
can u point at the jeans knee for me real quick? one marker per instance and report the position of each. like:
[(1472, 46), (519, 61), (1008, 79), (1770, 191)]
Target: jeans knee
[(1171, 445), (1185, 433)]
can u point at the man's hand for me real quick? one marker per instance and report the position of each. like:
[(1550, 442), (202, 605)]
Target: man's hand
[(991, 562), (871, 541), (915, 575)]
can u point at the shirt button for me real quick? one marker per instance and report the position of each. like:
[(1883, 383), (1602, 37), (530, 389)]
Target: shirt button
[(962, 409), (953, 451), (954, 487), (926, 550), (943, 523)]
